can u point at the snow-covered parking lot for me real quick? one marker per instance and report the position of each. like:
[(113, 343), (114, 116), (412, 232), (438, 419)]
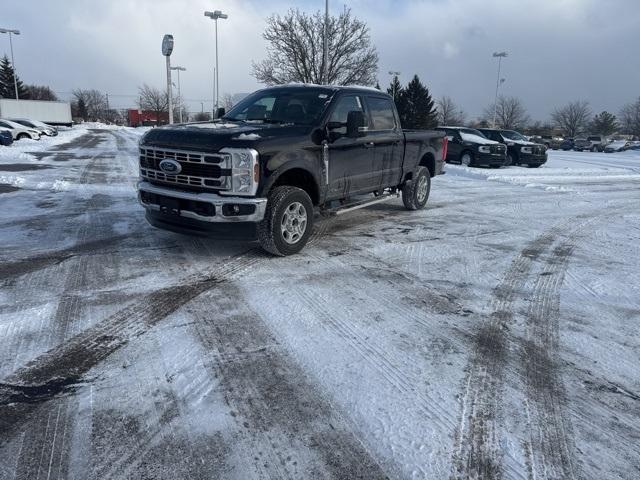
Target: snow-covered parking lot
[(493, 335)]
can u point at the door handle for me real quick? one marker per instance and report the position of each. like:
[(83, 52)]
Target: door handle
[(369, 145)]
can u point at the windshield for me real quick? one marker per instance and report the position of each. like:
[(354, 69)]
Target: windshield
[(511, 135), (297, 106), (472, 131)]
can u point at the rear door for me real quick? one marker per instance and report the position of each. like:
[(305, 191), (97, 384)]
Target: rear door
[(350, 159), (387, 137)]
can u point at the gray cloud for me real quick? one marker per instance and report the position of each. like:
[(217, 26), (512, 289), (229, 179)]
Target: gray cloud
[(560, 50)]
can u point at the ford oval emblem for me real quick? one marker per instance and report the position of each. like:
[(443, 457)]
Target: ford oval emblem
[(170, 167)]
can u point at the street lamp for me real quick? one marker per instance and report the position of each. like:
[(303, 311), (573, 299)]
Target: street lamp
[(215, 15), (13, 63), (179, 69), (394, 74), (499, 56), (167, 49)]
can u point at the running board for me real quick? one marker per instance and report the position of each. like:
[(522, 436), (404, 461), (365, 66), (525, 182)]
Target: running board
[(357, 205)]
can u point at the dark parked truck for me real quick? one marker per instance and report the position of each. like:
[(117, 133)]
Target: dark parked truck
[(467, 146), (281, 154), (520, 151)]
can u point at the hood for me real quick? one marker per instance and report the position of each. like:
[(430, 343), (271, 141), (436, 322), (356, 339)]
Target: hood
[(469, 137), (212, 136)]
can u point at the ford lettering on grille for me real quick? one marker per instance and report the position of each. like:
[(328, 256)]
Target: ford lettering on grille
[(170, 167)]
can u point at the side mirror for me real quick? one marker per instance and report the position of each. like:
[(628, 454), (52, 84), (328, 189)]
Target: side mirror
[(220, 112), (355, 124)]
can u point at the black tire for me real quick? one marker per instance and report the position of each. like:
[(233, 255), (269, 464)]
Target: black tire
[(415, 192), (470, 157), (271, 234), (509, 160), (22, 136)]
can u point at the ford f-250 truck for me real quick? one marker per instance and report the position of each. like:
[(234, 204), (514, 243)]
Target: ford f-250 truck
[(278, 156)]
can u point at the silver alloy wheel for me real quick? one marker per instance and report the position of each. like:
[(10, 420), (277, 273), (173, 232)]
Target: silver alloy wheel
[(421, 192), (294, 223), (466, 159)]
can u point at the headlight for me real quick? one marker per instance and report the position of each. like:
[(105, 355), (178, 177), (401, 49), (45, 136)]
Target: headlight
[(244, 170), (484, 149), (526, 149)]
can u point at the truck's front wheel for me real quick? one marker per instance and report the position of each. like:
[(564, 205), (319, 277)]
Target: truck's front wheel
[(415, 192), (287, 222)]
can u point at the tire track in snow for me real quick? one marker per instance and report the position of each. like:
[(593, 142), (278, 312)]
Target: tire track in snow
[(549, 425), (289, 428), (53, 373), (477, 450)]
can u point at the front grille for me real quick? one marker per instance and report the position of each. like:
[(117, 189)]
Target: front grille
[(498, 149), (206, 170), (538, 150)]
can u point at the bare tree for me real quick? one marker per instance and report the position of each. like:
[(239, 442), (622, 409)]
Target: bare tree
[(630, 118), (449, 113), (153, 100), (573, 118), (510, 113), (295, 51), (91, 104), (227, 101), (41, 92)]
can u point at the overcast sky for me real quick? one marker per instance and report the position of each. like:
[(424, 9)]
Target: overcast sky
[(559, 50)]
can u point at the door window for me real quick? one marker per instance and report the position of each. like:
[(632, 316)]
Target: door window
[(344, 106)]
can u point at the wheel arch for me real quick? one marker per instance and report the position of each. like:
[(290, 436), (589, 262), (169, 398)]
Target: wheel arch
[(296, 177)]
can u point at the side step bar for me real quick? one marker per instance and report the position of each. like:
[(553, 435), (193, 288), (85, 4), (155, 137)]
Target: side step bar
[(350, 207)]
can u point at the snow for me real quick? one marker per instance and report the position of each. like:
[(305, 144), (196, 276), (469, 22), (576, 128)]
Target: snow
[(469, 137), (499, 326), (247, 136)]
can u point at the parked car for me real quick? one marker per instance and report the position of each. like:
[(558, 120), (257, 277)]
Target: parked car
[(261, 170), (581, 144), (6, 137), (41, 127), (519, 150), (468, 146), (617, 146), (566, 144), (19, 131), (550, 142), (633, 146), (598, 142)]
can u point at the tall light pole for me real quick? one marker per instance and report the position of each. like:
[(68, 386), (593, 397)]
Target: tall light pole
[(499, 56), (167, 48), (215, 15), (179, 69), (393, 73), (13, 63), (325, 44)]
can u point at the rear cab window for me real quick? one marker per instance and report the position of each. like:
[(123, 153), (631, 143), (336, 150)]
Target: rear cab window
[(382, 113)]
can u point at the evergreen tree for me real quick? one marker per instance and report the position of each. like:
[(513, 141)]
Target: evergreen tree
[(604, 123), (416, 107), (378, 86), (7, 87), (395, 88)]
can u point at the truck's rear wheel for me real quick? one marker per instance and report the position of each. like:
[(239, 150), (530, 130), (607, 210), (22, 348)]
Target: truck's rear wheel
[(287, 222), (415, 192)]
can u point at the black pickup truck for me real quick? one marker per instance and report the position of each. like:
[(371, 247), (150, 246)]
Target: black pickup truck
[(281, 154)]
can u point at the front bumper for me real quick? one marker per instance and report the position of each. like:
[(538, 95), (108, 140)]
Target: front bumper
[(490, 159), (207, 208), (531, 159)]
